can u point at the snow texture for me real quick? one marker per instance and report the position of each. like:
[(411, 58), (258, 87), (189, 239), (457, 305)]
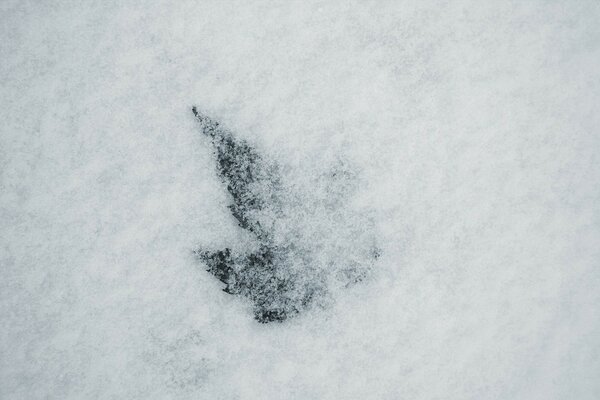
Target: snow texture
[(458, 140)]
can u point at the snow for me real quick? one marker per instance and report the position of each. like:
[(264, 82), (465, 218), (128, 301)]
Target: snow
[(473, 128)]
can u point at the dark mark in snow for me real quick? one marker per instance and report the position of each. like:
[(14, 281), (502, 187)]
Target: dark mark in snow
[(269, 276)]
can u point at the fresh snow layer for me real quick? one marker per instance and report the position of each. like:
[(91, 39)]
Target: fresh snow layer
[(472, 129)]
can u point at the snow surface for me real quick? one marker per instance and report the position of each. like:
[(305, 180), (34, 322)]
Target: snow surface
[(475, 130)]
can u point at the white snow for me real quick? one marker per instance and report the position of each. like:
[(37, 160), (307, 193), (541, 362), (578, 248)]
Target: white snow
[(475, 129)]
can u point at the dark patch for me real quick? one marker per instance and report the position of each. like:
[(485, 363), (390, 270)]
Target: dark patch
[(265, 276)]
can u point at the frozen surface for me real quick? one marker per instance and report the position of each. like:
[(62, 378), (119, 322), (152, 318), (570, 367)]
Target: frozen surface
[(473, 130)]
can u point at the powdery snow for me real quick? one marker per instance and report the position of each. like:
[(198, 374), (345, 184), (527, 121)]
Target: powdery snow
[(473, 130)]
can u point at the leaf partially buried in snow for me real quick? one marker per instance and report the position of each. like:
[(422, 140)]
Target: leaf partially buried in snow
[(307, 240)]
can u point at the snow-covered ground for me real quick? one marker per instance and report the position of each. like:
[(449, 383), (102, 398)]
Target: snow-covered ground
[(474, 128)]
